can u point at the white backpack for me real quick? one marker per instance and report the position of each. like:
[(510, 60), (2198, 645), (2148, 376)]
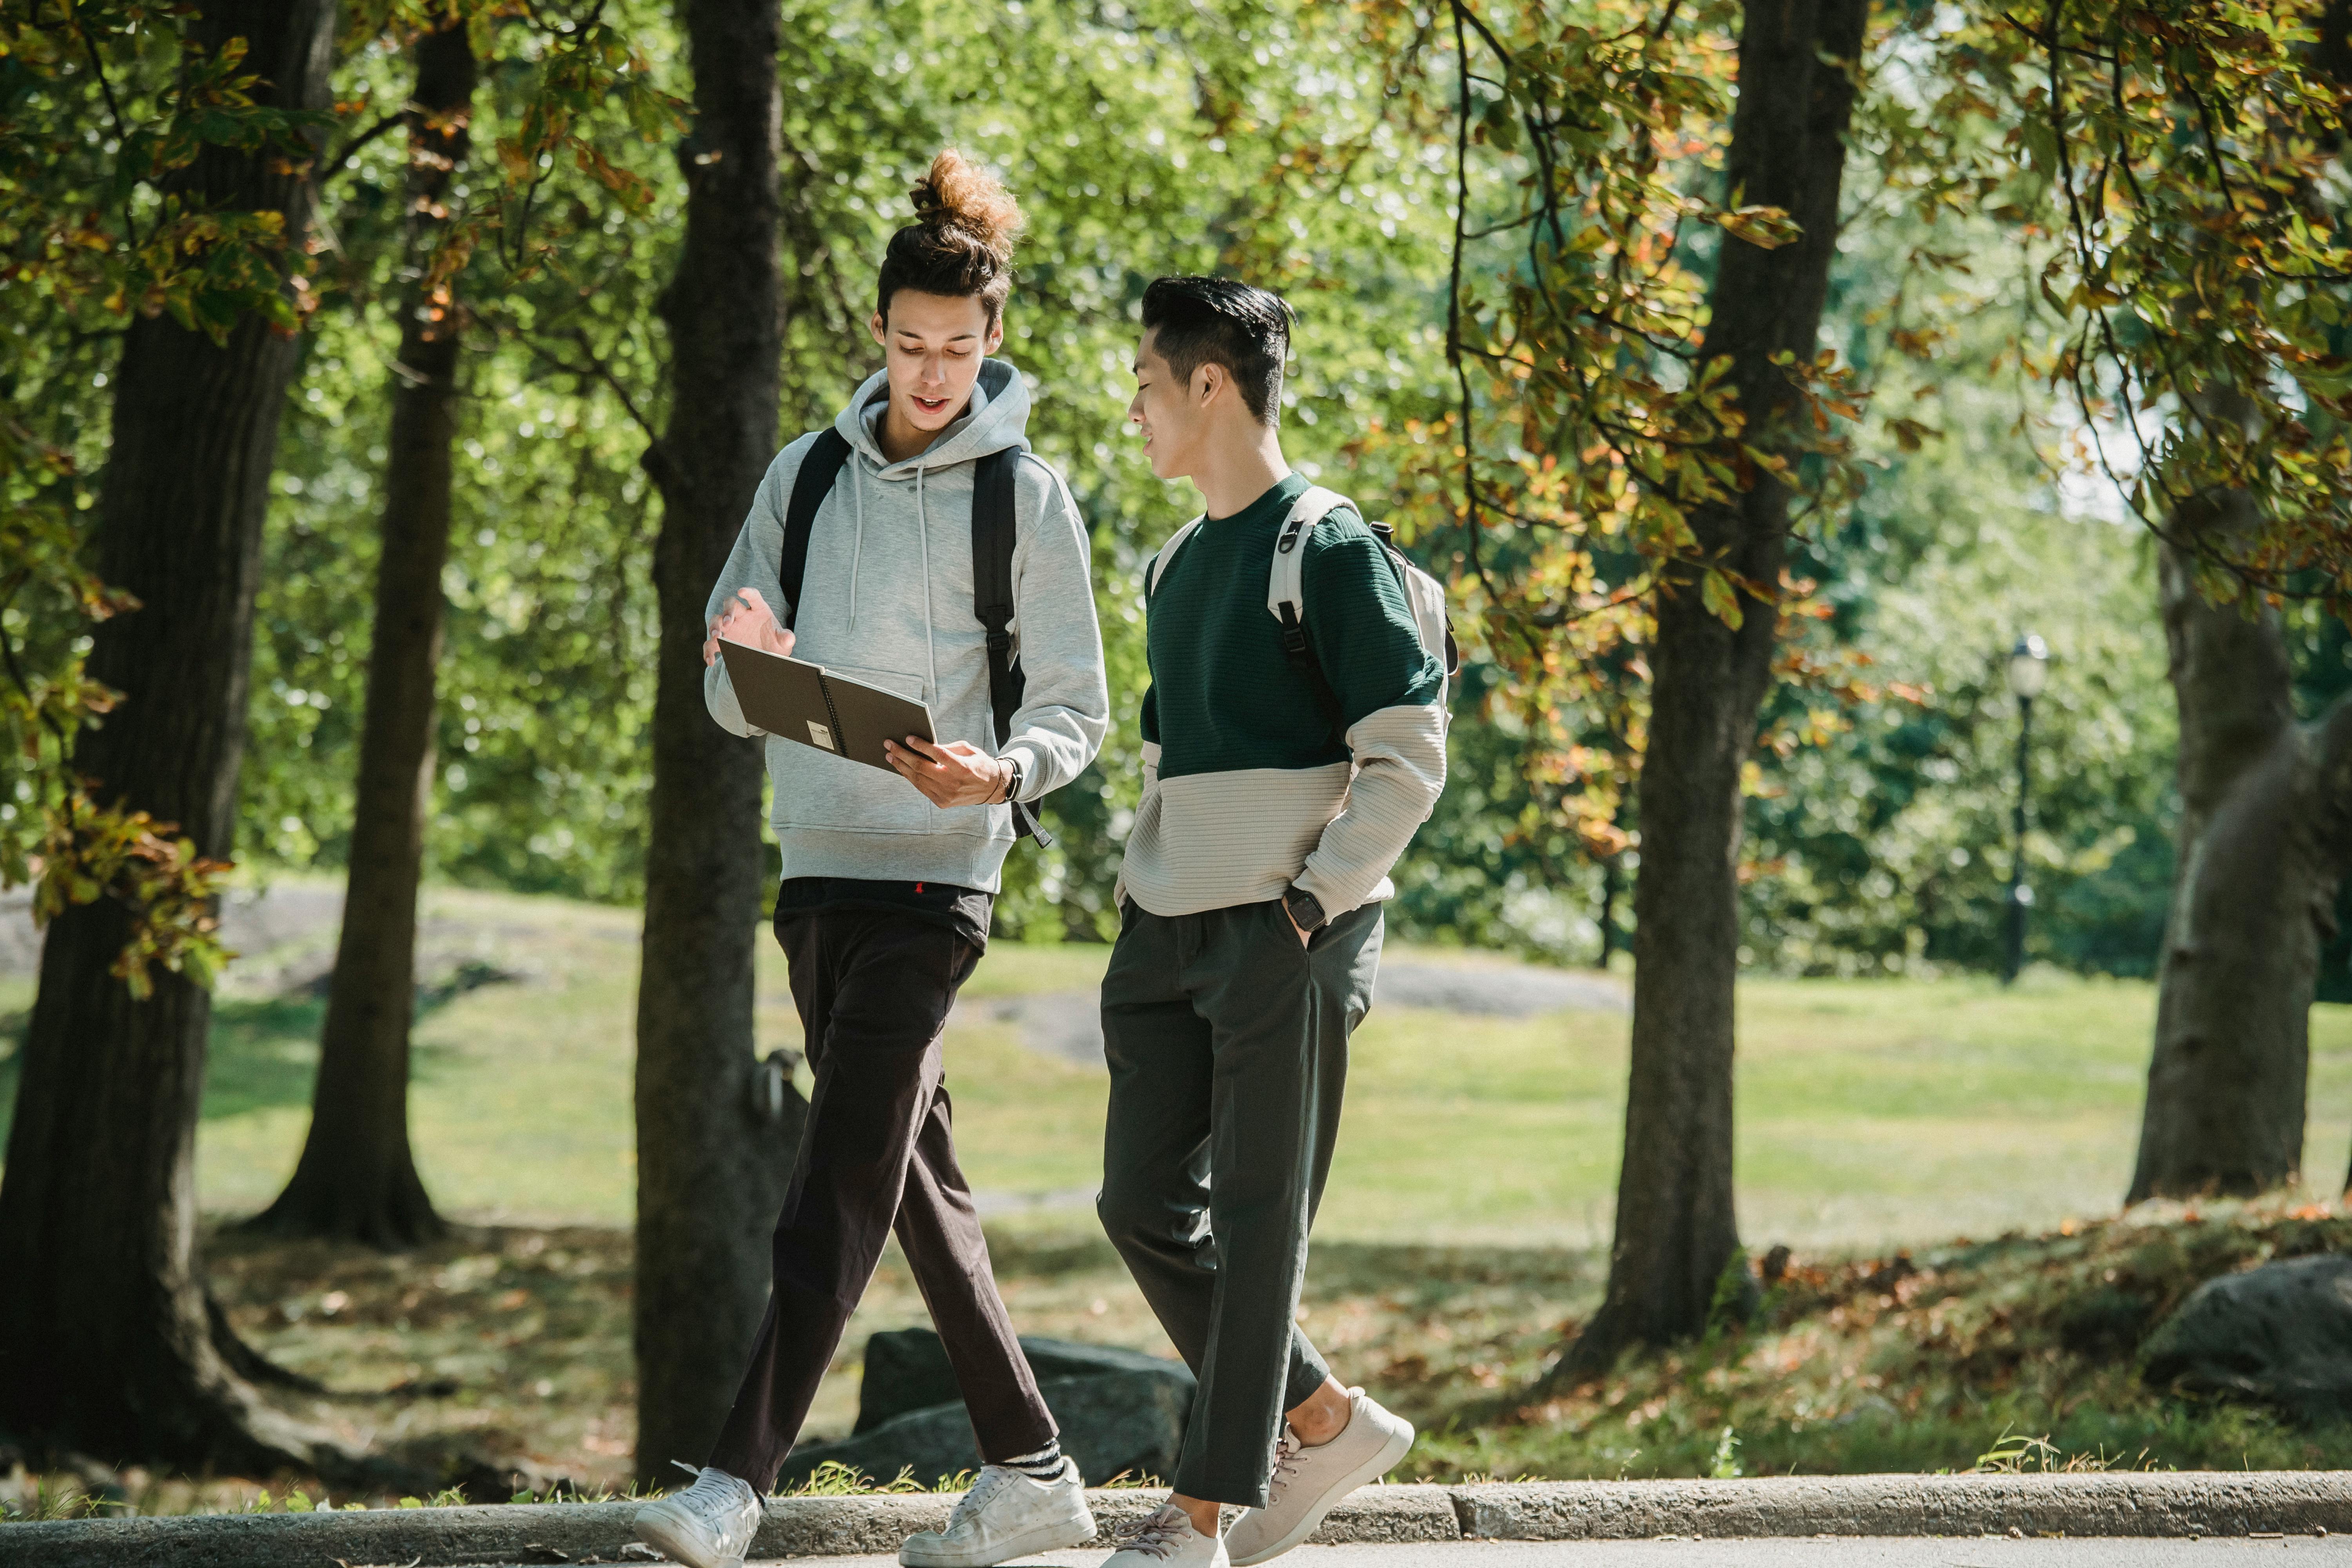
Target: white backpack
[(1286, 596)]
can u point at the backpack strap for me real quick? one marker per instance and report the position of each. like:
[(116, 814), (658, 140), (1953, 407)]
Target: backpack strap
[(992, 539), (820, 466), (1167, 552), (1286, 596)]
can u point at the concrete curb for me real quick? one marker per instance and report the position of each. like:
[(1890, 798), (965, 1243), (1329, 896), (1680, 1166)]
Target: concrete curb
[(2137, 1504), (2140, 1504)]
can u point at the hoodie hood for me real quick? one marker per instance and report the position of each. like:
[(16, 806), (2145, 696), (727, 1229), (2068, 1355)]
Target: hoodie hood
[(998, 418)]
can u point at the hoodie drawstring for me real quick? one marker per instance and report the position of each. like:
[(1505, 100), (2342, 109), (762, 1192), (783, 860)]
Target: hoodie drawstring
[(857, 548), (923, 528)]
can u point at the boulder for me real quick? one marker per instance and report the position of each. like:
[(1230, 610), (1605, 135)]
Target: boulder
[(908, 1370), (2281, 1334), (1126, 1421)]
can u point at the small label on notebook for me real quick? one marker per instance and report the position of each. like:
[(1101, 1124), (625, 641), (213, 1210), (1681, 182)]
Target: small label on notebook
[(820, 736)]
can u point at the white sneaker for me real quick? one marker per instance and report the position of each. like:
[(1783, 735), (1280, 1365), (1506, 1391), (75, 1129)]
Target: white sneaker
[(1006, 1515), (709, 1525), (1166, 1540), (1309, 1483)]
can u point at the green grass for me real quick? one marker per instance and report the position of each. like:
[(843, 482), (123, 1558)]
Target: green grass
[(1459, 1243), (1870, 1112), (511, 1345), (2000, 1355)]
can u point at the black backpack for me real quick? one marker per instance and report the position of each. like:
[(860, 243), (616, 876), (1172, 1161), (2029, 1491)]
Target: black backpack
[(992, 574)]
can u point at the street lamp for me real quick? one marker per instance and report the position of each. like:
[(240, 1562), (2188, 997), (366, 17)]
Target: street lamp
[(2029, 672)]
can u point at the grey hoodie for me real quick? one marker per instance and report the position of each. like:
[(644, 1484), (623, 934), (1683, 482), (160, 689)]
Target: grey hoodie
[(886, 598)]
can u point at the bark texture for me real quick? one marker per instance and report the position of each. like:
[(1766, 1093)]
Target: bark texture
[(712, 1167), (1677, 1233), (357, 1178), (2265, 840), (105, 1344)]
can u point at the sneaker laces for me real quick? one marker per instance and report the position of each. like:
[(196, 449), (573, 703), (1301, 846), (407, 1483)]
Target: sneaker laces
[(989, 1482), (710, 1499), (1157, 1536), (1286, 1464)]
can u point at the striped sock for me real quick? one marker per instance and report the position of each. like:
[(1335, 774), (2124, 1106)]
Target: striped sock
[(1044, 1465)]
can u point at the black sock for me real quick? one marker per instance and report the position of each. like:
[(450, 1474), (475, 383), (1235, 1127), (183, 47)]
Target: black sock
[(1044, 1465)]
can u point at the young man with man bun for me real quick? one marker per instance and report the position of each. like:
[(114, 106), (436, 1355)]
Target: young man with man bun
[(864, 551)]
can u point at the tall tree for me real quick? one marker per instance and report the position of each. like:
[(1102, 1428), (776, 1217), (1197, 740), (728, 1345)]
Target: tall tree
[(1629, 435), (2265, 842), (105, 1344), (357, 1177), (1677, 1233), (2192, 164), (710, 1170)]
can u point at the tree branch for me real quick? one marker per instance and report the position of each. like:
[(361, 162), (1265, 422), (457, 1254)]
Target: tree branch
[(114, 112), (1471, 526), (351, 149)]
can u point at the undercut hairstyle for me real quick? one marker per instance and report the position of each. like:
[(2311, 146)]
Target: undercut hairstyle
[(1216, 321), (960, 245)]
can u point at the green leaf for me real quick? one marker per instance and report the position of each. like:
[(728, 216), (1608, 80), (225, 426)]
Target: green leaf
[(1721, 599)]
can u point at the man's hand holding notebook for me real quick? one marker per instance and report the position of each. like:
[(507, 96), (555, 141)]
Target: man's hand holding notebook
[(748, 621)]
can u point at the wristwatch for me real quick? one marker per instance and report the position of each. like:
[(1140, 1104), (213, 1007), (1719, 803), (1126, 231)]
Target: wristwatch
[(1305, 909)]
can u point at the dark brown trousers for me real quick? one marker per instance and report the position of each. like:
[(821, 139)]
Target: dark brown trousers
[(874, 988)]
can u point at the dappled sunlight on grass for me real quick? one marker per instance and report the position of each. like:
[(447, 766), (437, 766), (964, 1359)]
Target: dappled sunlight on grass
[(1459, 1241), (1901, 1362), (507, 1350)]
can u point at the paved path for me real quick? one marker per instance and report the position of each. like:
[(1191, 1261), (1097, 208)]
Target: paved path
[(2330, 1552), (2162, 1520), (1068, 1024)]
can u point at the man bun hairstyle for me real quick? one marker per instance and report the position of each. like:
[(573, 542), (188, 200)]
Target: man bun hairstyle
[(960, 244), (1217, 320)]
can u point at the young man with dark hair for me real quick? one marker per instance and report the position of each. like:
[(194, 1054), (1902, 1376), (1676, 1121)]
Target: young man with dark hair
[(1292, 743)]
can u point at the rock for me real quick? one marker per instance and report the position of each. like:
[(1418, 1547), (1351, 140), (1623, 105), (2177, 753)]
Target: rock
[(908, 1370), (1119, 1411), (2281, 1334), (1113, 1423)]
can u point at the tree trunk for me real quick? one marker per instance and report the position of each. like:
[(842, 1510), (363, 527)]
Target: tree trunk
[(1676, 1233), (710, 1172), (104, 1341), (2265, 840), (1611, 875), (357, 1177)]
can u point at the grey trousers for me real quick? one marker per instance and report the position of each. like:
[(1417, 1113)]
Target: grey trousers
[(1228, 1050)]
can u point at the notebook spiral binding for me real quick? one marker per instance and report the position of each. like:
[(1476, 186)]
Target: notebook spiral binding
[(833, 716)]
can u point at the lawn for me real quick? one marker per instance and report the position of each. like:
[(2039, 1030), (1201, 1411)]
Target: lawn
[(1871, 1113), (1460, 1239), (509, 1346)]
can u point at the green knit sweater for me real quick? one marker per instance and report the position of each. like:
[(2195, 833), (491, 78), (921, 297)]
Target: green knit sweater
[(1246, 786)]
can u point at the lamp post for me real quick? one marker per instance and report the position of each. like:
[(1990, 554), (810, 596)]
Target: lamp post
[(2029, 672)]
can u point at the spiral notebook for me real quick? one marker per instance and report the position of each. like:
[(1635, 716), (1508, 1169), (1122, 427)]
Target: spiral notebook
[(808, 703)]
